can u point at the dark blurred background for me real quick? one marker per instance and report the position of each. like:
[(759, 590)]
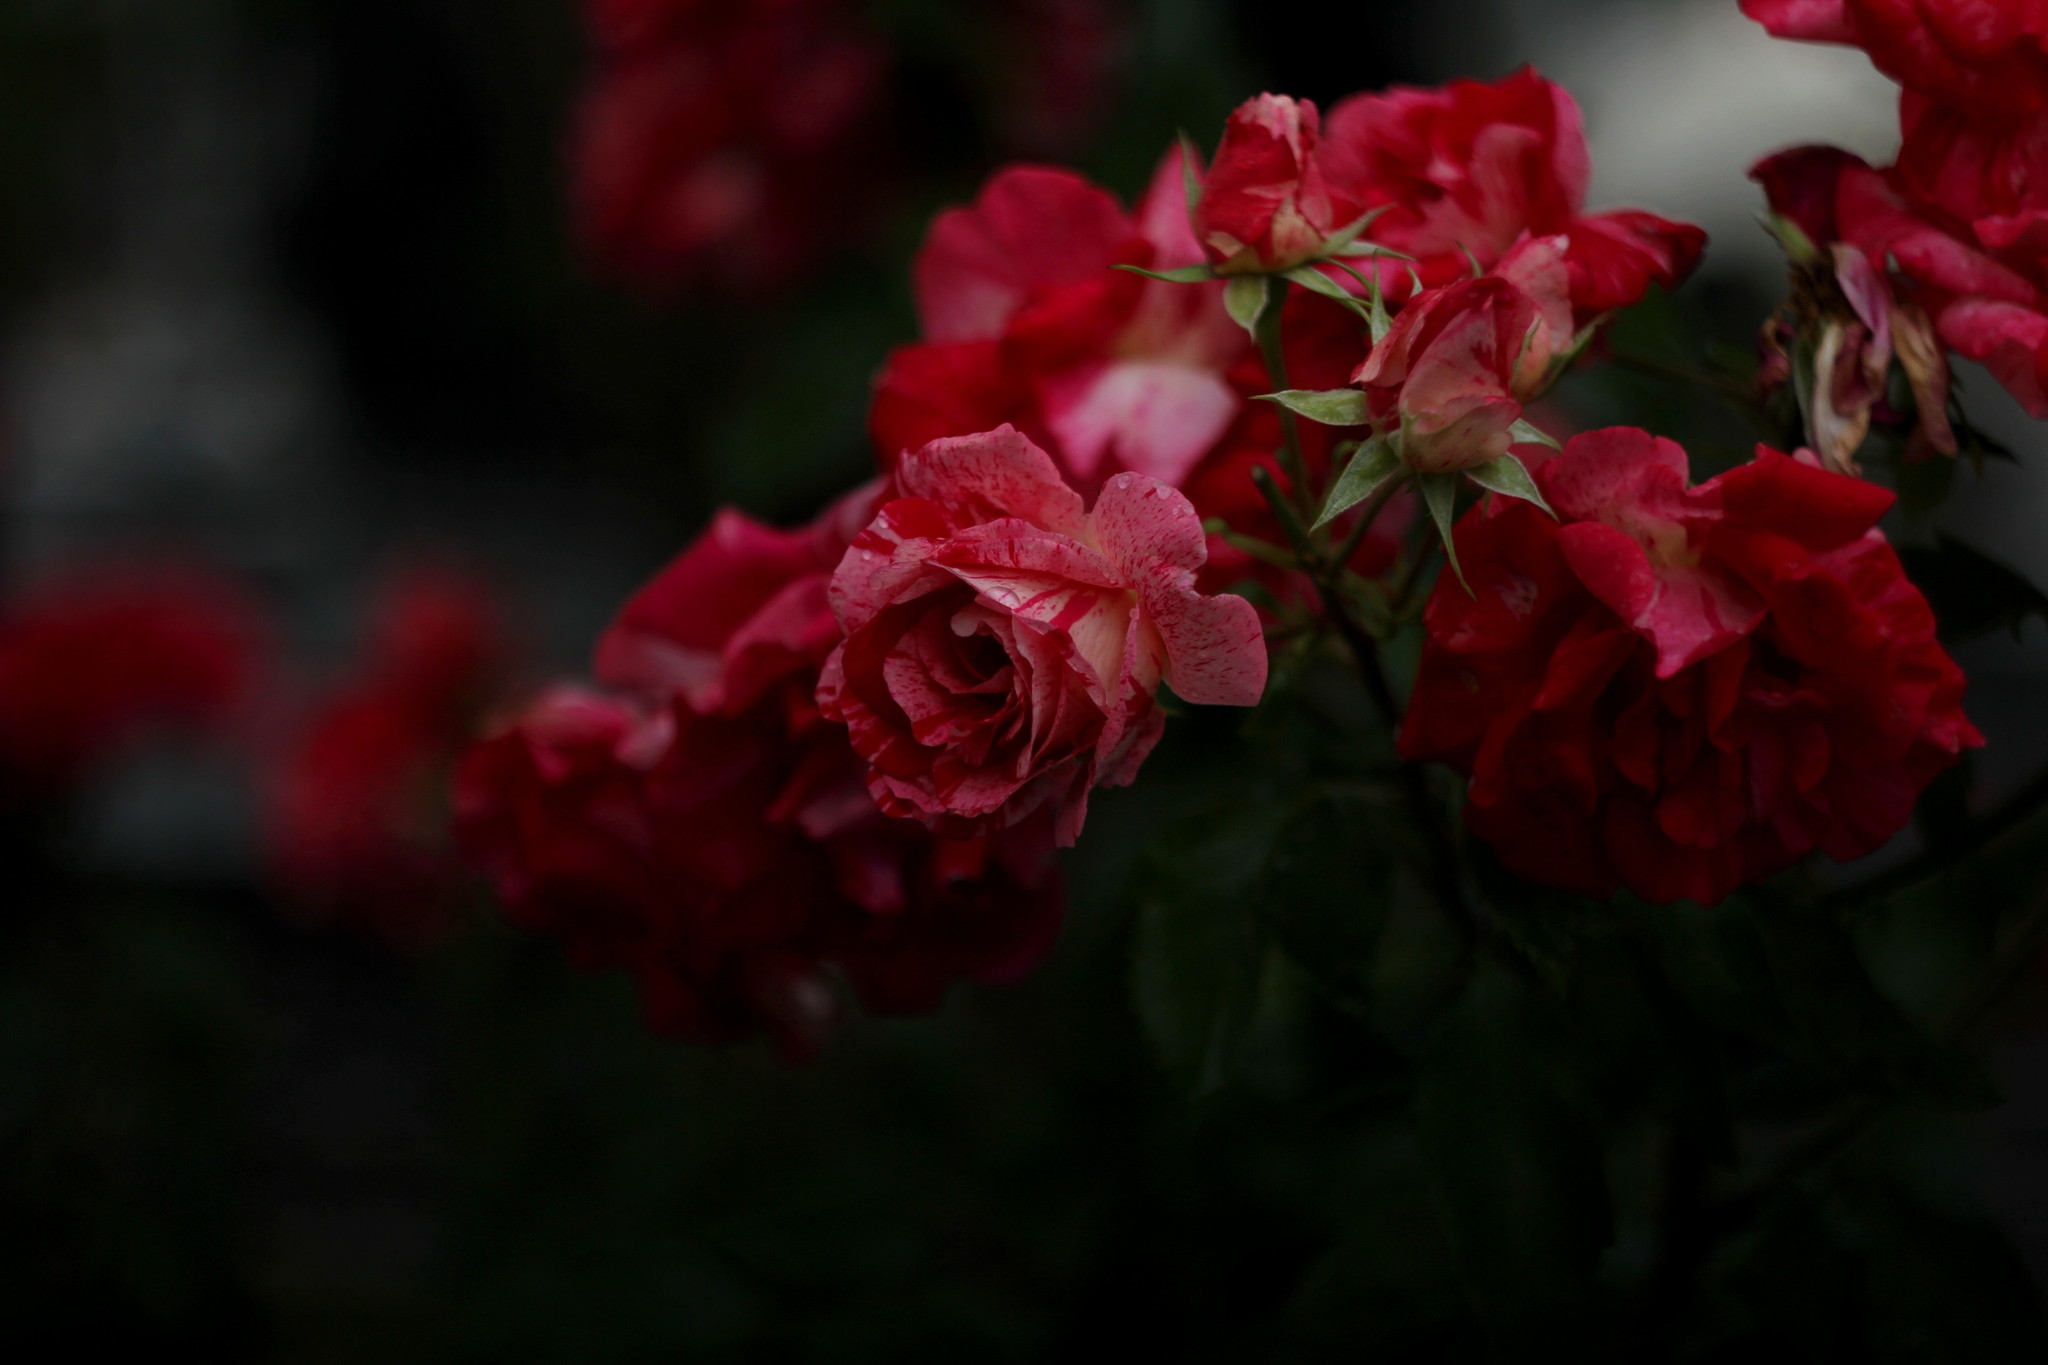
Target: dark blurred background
[(293, 288)]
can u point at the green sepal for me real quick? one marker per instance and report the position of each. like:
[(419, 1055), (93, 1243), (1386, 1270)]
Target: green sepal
[(1509, 477), (1477, 269), (1344, 238), (1244, 298), (1369, 471), (1331, 407), (1440, 496), (1379, 319), (1799, 247), (1187, 274), (1191, 184), (1527, 433), (1316, 282), (1366, 250)]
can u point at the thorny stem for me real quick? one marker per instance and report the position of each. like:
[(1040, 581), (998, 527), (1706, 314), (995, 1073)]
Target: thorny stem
[(1292, 460), (1411, 578), (1366, 517), (1443, 857)]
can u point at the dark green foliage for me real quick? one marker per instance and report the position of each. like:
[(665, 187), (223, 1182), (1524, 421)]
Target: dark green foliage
[(1972, 594)]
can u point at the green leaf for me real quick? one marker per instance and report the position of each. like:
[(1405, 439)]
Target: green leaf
[(1972, 594), (1799, 247), (1187, 274), (1512, 1157), (1440, 496), (1331, 407), (1244, 298), (1191, 183), (1199, 953), (1509, 477), (1369, 470), (1369, 249)]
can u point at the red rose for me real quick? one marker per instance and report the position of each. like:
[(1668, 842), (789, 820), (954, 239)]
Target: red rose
[(1026, 322), (552, 809), (712, 831), (1680, 690), (1988, 307), (1469, 168), (356, 823), (1450, 378), (89, 661), (1983, 56), (1266, 204), (1443, 378), (722, 143), (1004, 644)]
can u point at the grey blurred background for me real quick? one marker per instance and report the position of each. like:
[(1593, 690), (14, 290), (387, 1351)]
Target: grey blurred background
[(287, 284)]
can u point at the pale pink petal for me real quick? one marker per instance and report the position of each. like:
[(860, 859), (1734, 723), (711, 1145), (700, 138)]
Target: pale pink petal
[(990, 476), (1537, 267), (1138, 519), (1619, 474), (1687, 612), (1152, 417), (1215, 647), (1015, 544), (886, 563)]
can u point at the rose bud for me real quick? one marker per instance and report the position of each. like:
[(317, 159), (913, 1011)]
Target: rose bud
[(1266, 205), (1445, 376), (1004, 643)]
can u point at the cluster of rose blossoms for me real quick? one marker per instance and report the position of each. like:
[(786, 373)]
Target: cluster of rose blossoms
[(97, 661), (847, 751), (1947, 248)]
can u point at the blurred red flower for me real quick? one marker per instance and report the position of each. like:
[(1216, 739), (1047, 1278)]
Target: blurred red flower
[(1681, 690), (356, 824), (1064, 57), (722, 143), (90, 660), (708, 829)]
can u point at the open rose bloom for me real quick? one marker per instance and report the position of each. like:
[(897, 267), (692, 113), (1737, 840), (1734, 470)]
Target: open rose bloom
[(1005, 645), (1681, 690)]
